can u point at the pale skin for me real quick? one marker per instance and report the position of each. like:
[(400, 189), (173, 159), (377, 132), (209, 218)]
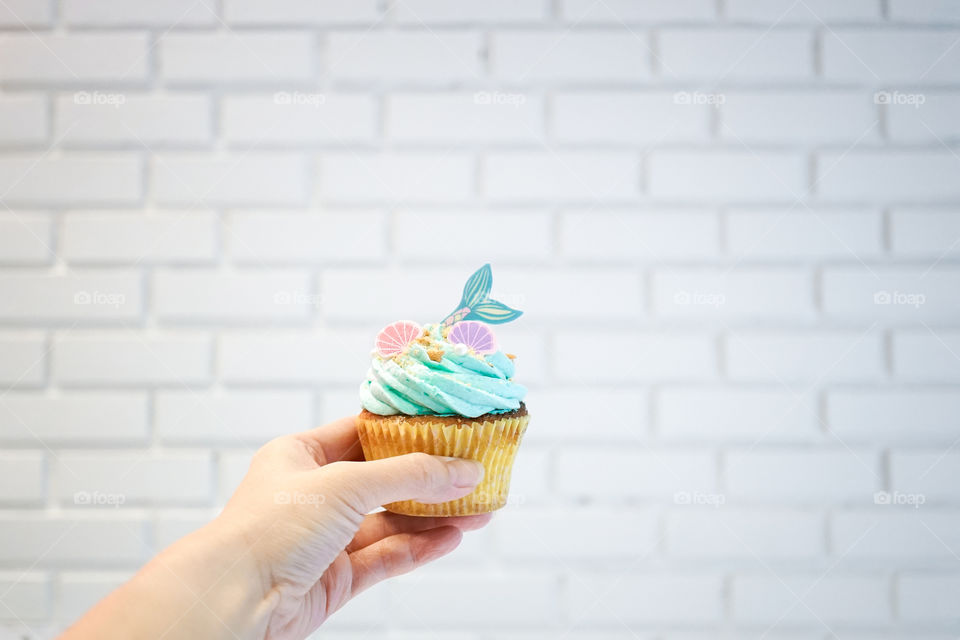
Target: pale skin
[(295, 542)]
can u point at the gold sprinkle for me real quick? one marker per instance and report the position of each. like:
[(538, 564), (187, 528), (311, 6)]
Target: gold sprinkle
[(511, 356), (435, 354)]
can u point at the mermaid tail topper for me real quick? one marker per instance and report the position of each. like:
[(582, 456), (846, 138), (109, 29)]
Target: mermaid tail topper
[(476, 303)]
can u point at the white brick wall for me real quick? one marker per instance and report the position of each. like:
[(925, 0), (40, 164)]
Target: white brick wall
[(732, 224)]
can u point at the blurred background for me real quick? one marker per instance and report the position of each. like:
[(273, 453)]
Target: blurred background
[(733, 227)]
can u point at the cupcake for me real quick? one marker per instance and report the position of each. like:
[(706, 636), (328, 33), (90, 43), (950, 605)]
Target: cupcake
[(447, 389)]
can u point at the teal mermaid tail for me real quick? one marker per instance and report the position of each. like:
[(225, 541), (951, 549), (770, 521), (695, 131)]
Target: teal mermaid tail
[(475, 304)]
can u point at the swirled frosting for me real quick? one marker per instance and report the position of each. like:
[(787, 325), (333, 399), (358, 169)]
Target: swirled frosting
[(433, 376)]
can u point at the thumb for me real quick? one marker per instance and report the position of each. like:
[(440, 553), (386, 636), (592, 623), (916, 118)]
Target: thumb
[(413, 476)]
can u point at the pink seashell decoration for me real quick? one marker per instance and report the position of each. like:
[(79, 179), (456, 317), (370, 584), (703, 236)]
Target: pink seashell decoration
[(476, 335), (395, 337)]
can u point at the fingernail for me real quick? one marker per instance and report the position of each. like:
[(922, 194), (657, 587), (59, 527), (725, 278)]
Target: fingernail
[(464, 473)]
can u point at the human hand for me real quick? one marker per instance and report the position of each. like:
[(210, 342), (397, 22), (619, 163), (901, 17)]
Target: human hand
[(303, 506), (293, 544)]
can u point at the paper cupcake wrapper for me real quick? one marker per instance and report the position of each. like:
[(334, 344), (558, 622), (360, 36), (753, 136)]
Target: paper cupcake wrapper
[(492, 442)]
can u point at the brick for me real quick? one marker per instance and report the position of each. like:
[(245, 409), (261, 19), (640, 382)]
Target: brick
[(23, 118), (926, 233), (23, 357), (227, 57), (736, 414), (789, 235), (25, 13), (80, 479), (196, 294), (729, 176), (232, 418), (131, 359), (296, 118), (261, 237), (726, 532), (79, 591), (578, 176), (924, 356), (674, 599), (417, 12), (125, 237), (26, 596), (70, 540), (231, 179), (628, 118), (300, 12), (295, 357), (23, 477), (172, 526), (589, 55), (80, 178), (396, 177), (526, 600), (931, 11), (87, 295), (480, 117), (893, 415), (108, 118), (480, 236), (888, 55), (620, 11), (775, 356), (927, 598), (604, 236), (741, 293), (931, 473), (887, 176), (73, 58), (736, 54), (648, 474), (567, 409), (25, 238), (811, 600), (890, 294), (357, 293), (815, 476), (429, 57), (799, 117), (530, 533), (915, 116), (154, 13), (809, 12), (583, 356), (896, 533), (72, 417)]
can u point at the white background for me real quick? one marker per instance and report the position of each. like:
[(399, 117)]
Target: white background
[(210, 208)]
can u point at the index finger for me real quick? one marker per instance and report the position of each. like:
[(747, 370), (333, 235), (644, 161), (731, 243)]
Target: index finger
[(335, 441)]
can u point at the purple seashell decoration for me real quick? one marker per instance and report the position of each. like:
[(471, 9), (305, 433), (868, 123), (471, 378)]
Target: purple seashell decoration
[(476, 335)]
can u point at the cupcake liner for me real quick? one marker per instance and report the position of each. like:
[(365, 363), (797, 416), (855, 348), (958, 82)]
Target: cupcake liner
[(493, 440)]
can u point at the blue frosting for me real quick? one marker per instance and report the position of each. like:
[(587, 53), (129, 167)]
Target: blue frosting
[(460, 382)]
